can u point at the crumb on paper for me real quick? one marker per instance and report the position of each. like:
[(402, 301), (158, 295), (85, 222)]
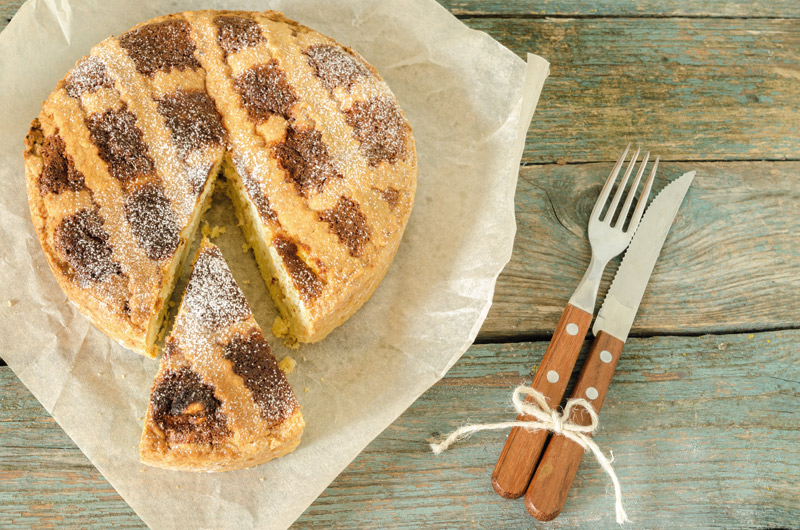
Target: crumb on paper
[(321, 379), (722, 346), (306, 389), (304, 358), (287, 364), (279, 327), (205, 229), (245, 248), (216, 231), (291, 343), (12, 303), (262, 479), (247, 282)]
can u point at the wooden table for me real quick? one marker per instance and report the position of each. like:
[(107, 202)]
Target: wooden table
[(704, 416)]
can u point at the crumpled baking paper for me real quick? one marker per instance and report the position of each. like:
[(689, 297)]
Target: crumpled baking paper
[(469, 101)]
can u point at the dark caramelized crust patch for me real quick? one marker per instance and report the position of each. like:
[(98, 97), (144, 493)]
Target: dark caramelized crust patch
[(119, 143), (186, 409), (212, 296), (378, 124), (80, 238), (334, 66), (265, 91), (304, 157), (160, 46), (253, 362), (305, 280), (192, 119), (236, 33), (391, 196), (152, 221), (87, 76), (348, 223), (59, 173)]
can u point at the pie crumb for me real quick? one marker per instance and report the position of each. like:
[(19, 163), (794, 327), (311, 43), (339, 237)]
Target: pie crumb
[(287, 364)]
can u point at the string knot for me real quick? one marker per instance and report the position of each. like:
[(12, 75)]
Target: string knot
[(539, 416)]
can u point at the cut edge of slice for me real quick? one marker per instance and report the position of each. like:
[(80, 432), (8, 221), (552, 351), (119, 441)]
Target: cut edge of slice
[(159, 323)]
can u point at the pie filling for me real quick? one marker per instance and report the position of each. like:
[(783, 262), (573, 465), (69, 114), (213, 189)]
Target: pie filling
[(294, 321)]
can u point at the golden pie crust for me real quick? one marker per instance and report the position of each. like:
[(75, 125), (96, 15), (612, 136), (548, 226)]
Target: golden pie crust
[(300, 131)]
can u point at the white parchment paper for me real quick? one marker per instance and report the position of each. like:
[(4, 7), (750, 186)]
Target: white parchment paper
[(469, 101)]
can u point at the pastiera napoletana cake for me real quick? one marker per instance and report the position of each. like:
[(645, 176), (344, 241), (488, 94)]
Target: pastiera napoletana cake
[(300, 131), (219, 401)]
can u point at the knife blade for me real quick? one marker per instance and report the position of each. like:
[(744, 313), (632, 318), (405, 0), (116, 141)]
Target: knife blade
[(620, 305), (552, 480)]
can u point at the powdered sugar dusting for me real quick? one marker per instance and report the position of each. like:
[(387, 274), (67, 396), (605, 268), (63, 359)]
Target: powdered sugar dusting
[(380, 127), (253, 362), (212, 297), (87, 76), (334, 66)]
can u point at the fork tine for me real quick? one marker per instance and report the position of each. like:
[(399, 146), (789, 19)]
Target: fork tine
[(604, 193), (637, 214), (617, 196), (623, 214)]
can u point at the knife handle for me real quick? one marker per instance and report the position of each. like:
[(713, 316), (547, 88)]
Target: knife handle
[(515, 466), (553, 478)]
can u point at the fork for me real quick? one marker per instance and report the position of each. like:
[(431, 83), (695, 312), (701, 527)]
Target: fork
[(520, 454)]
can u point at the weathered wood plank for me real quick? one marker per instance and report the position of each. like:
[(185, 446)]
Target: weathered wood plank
[(578, 8), (623, 8), (713, 419), (702, 437), (7, 10), (730, 263), (691, 89)]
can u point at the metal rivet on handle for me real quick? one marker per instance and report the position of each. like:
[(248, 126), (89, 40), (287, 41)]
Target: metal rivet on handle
[(552, 376), (572, 329), (591, 392), (605, 356)]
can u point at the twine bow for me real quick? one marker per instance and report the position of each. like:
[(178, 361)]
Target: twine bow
[(550, 420)]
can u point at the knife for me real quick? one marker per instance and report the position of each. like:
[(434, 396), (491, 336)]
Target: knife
[(553, 477)]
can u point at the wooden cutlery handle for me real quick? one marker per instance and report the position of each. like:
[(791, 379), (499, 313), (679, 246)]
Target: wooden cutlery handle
[(519, 456), (550, 485)]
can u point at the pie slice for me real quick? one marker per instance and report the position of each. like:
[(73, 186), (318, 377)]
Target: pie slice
[(219, 401)]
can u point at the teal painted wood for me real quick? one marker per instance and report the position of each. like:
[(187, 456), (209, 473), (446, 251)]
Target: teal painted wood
[(692, 89), (732, 253), (704, 431), (7, 10), (593, 8), (623, 8)]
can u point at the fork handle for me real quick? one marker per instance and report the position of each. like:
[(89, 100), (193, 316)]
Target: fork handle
[(518, 459), (550, 485)]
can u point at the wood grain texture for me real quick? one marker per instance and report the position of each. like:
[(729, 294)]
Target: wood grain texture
[(553, 478), (699, 417), (517, 460), (689, 89), (731, 255), (7, 10), (623, 8)]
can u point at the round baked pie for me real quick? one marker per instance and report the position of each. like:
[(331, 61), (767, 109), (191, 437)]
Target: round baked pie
[(300, 131)]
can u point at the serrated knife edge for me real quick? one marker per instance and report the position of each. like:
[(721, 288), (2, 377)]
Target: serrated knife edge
[(620, 305)]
